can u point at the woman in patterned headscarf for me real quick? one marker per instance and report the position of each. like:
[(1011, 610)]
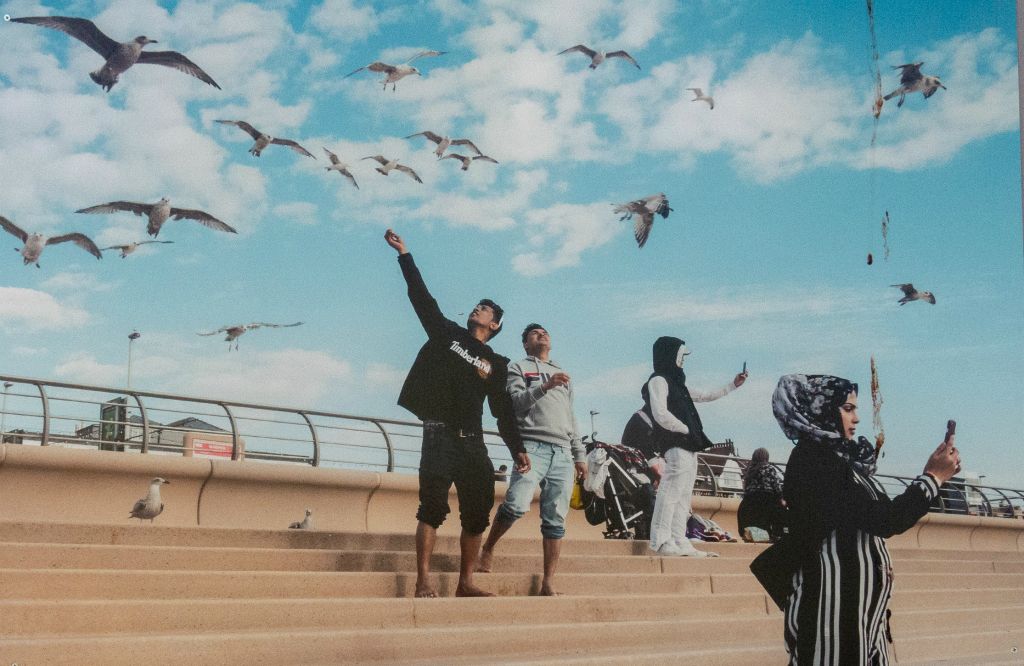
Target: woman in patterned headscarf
[(839, 517)]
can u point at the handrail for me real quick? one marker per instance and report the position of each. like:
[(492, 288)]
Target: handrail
[(274, 430)]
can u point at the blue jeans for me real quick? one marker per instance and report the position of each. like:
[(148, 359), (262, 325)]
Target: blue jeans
[(552, 468)]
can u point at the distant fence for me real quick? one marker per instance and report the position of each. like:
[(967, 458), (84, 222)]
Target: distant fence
[(49, 413)]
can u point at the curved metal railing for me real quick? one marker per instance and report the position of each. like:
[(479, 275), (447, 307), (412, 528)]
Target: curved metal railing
[(52, 413)]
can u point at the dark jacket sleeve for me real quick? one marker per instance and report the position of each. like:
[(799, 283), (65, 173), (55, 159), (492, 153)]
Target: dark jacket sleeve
[(823, 494), (501, 406), (434, 323)]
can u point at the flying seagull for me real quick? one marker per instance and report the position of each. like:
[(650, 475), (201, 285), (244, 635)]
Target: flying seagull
[(387, 165), (158, 213), (35, 243), (264, 140), (912, 80), (911, 294), (150, 506), (443, 142), (394, 73), (699, 96), (232, 333), (466, 160), (131, 247), (305, 524), (340, 167), (119, 57), (597, 57), (645, 209)]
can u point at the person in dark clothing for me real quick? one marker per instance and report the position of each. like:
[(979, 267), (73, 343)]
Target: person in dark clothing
[(678, 432), (839, 518), (446, 386), (762, 505)]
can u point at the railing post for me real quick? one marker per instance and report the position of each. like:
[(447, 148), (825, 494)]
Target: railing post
[(387, 442), (46, 415), (711, 473), (316, 440), (234, 430), (145, 423)]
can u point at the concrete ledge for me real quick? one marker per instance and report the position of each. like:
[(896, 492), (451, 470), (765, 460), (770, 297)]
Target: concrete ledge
[(57, 485)]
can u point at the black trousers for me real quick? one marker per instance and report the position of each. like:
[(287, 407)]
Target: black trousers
[(448, 458), (761, 509)]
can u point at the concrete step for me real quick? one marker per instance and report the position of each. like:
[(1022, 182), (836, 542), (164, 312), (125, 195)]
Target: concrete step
[(154, 584), (24, 619), (138, 534), (368, 646), (959, 647), (736, 583)]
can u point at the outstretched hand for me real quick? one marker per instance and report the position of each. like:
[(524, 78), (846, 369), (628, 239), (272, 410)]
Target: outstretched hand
[(395, 241), (740, 378)]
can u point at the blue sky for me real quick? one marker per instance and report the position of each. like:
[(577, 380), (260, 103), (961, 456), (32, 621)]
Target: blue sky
[(778, 197)]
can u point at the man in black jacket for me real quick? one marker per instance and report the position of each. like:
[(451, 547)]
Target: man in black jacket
[(446, 386)]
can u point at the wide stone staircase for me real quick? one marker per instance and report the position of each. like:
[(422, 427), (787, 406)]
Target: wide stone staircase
[(151, 594)]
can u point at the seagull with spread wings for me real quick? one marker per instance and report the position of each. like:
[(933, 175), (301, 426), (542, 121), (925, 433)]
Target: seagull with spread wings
[(911, 294), (644, 209), (232, 333), (597, 57), (340, 167), (699, 96), (467, 160), (394, 73), (35, 243), (131, 247), (118, 56), (912, 80), (264, 140), (387, 165), (444, 142), (158, 213)]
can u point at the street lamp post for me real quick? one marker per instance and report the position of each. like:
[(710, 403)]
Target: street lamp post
[(593, 432), (132, 337)]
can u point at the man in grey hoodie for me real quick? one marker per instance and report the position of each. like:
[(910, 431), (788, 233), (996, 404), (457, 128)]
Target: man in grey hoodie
[(542, 398)]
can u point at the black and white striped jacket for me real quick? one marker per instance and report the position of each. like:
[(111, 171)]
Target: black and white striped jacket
[(837, 613)]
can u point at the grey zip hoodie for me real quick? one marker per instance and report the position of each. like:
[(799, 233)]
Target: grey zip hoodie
[(545, 416)]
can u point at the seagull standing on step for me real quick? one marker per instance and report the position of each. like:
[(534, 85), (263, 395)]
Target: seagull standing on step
[(699, 96), (597, 57), (158, 213), (387, 165), (911, 294), (912, 80), (35, 243), (131, 247), (444, 142), (305, 524), (395, 73), (644, 209), (150, 506), (232, 333), (340, 167), (264, 140), (467, 160), (119, 57)]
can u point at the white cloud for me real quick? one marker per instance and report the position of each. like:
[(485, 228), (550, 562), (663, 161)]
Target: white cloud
[(37, 310), (84, 368), (299, 212), (345, 20), (76, 281), (382, 376), (572, 228)]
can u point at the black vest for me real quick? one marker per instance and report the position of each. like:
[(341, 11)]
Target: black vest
[(681, 406)]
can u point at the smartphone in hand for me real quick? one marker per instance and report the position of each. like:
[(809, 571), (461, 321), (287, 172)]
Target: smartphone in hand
[(744, 371), (950, 430)]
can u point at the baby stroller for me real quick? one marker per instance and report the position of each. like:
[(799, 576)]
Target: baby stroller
[(620, 489)]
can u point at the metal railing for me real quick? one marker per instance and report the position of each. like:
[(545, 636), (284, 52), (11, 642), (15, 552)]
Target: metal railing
[(36, 411)]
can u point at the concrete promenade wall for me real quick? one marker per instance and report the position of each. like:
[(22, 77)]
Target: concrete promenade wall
[(50, 484)]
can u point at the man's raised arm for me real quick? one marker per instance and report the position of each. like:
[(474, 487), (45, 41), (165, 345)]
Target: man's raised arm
[(422, 302)]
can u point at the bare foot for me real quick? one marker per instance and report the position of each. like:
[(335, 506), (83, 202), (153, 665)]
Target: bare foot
[(425, 591), (548, 591), (468, 590), (484, 563)]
